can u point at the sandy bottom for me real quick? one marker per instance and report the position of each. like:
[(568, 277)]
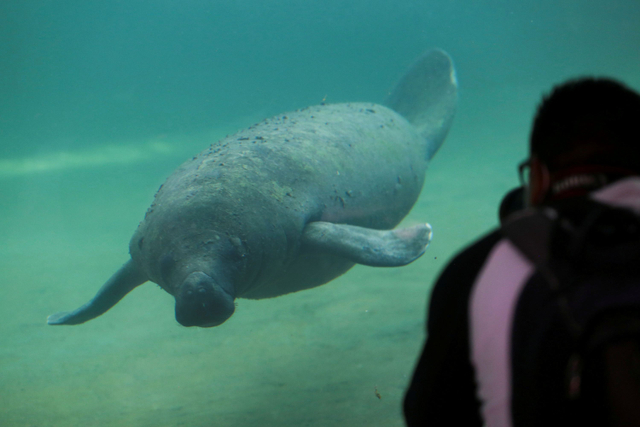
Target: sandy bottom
[(315, 358)]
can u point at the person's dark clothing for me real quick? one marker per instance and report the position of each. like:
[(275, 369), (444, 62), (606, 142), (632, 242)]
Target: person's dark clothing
[(465, 375), (443, 391)]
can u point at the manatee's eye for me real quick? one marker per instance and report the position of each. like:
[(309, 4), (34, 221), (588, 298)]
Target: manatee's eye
[(237, 251)]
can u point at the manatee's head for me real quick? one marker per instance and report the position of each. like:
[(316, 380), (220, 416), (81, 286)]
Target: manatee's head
[(200, 301)]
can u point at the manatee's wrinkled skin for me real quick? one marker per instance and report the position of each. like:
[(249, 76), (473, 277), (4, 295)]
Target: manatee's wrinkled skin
[(237, 210), (290, 203)]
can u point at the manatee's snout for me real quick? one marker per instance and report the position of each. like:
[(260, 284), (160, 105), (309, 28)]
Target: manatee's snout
[(202, 302)]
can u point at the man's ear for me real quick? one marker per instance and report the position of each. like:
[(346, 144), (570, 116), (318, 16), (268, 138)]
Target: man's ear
[(539, 182)]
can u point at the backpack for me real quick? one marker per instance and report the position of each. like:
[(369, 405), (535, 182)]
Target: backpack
[(576, 328)]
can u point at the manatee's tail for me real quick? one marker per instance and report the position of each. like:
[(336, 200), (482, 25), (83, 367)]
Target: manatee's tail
[(427, 96)]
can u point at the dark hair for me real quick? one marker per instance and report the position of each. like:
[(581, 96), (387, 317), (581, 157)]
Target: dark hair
[(588, 121)]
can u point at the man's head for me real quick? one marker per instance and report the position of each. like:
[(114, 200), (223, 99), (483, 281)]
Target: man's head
[(586, 134)]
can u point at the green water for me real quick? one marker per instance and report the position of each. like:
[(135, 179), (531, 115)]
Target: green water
[(99, 102)]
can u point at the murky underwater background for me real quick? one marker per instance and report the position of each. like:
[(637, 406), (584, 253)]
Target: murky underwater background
[(100, 101)]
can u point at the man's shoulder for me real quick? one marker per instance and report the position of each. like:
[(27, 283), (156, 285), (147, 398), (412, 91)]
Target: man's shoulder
[(455, 282), (471, 259)]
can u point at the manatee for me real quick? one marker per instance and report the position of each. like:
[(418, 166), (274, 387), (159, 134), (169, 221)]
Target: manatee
[(290, 203)]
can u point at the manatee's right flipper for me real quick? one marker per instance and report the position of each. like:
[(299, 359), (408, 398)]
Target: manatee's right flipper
[(120, 284), (427, 96), (376, 248)]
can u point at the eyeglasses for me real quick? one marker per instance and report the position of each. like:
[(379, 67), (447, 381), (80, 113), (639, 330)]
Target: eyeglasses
[(524, 172)]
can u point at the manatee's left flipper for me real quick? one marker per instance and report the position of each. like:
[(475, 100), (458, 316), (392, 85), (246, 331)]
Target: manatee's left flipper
[(120, 284), (377, 248)]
